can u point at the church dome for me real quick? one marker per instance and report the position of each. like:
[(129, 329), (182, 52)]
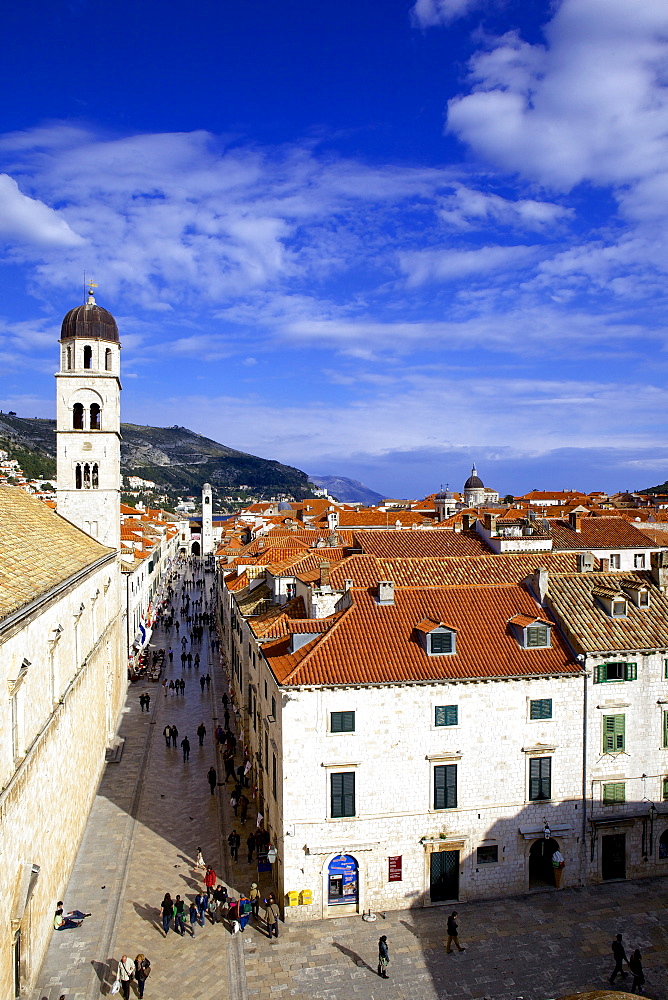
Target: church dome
[(474, 482), (444, 495), (285, 505), (91, 322)]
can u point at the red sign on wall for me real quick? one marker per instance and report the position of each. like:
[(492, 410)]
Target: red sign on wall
[(395, 869)]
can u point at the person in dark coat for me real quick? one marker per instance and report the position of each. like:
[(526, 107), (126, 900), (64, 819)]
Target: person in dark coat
[(175, 734), (167, 909), (212, 778), (383, 957), (620, 956), (185, 746), (201, 733), (453, 934), (635, 965), (234, 840), (250, 845)]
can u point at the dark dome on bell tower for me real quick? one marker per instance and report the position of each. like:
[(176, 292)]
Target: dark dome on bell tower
[(89, 321)]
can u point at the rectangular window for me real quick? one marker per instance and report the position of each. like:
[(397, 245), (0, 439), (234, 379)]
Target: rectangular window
[(446, 715), (614, 792), (441, 642), (487, 855), (643, 598), (665, 729), (610, 672), (343, 794), (619, 609), (273, 706), (615, 560), (540, 778), (265, 691), (342, 722), (445, 786), (541, 708), (665, 789), (614, 727), (537, 635), (639, 560), (250, 699), (273, 774)]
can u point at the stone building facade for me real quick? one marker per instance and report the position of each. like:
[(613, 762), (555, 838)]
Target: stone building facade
[(62, 689)]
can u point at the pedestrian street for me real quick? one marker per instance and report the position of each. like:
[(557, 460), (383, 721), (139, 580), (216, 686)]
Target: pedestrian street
[(153, 812)]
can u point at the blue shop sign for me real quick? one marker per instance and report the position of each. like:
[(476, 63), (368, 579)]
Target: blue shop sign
[(343, 880)]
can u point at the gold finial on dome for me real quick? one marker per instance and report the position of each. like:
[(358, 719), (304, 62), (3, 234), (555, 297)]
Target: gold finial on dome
[(91, 297)]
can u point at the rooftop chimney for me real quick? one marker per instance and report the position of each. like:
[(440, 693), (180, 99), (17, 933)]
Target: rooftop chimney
[(539, 583), (324, 574), (659, 569), (585, 562), (347, 584), (385, 592), (575, 520), (468, 520), (489, 520)]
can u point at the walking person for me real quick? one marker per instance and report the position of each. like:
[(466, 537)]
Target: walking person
[(210, 879), (165, 686), (171, 655), (212, 778), (200, 862), (271, 915), (243, 808), (147, 701), (383, 957), (142, 972), (142, 701), (234, 840), (254, 896), (218, 904), (125, 974), (175, 734), (185, 746), (202, 682), (179, 916), (167, 733), (635, 965), (194, 915), (453, 934), (201, 733), (619, 955), (167, 909), (208, 681), (202, 904), (250, 845)]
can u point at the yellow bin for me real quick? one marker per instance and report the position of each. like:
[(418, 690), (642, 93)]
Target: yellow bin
[(305, 897), (292, 898)]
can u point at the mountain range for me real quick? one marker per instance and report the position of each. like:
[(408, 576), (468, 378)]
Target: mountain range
[(348, 490)]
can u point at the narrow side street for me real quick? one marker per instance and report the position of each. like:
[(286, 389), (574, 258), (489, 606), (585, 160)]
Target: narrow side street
[(153, 812)]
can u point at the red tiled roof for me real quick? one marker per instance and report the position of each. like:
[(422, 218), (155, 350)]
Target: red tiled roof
[(598, 533), (372, 643), (422, 543)]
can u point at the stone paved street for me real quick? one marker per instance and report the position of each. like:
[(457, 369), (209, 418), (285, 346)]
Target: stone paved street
[(151, 813)]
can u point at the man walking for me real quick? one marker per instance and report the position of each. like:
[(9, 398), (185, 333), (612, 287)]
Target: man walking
[(201, 733), (383, 957), (167, 733), (212, 778), (126, 971), (185, 746), (175, 734), (272, 915), (179, 916), (234, 840), (453, 934), (202, 682), (619, 955), (250, 846)]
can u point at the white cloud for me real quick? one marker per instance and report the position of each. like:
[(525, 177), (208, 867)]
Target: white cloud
[(452, 265), (428, 13), (25, 220), (591, 104), (467, 206)]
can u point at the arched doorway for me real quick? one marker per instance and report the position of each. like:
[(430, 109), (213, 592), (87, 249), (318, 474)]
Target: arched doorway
[(663, 846), (541, 870), (195, 548), (343, 881)]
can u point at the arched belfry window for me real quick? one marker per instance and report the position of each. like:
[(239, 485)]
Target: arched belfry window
[(88, 357), (68, 361), (107, 360), (96, 477), (78, 417), (77, 477), (86, 476), (95, 416)]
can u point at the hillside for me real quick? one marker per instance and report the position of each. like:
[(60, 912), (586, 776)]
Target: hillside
[(175, 458), (348, 490)]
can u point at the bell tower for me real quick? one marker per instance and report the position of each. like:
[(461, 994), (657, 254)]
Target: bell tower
[(88, 422), (207, 520)]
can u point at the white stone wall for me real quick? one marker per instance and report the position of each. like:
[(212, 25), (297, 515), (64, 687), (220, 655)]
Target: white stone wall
[(68, 702), (641, 767), (393, 752)]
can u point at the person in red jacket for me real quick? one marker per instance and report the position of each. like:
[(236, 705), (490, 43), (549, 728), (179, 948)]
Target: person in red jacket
[(210, 879)]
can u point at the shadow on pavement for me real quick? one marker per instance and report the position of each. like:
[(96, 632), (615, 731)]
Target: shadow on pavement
[(353, 956)]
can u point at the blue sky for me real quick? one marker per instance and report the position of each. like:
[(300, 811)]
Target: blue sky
[(378, 239)]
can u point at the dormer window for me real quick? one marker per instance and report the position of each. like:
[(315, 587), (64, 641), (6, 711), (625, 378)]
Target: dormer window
[(619, 609), (637, 592), (532, 633), (436, 638), (613, 601)]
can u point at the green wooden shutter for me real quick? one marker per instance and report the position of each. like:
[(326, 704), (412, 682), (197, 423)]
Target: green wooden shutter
[(631, 671), (342, 722), (665, 729), (614, 792), (343, 794), (445, 786), (665, 789), (600, 673), (614, 733), (446, 715), (541, 708), (534, 778), (540, 778)]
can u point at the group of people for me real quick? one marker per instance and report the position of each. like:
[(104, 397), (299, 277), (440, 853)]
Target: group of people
[(128, 970), (634, 963)]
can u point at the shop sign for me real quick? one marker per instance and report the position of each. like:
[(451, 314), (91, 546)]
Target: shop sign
[(394, 865)]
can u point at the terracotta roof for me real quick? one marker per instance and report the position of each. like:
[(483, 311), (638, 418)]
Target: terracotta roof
[(481, 570), (598, 533), (255, 601), (273, 622), (235, 583), (378, 518), (371, 643), (591, 628), (429, 624), (524, 620), (422, 543), (39, 549)]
